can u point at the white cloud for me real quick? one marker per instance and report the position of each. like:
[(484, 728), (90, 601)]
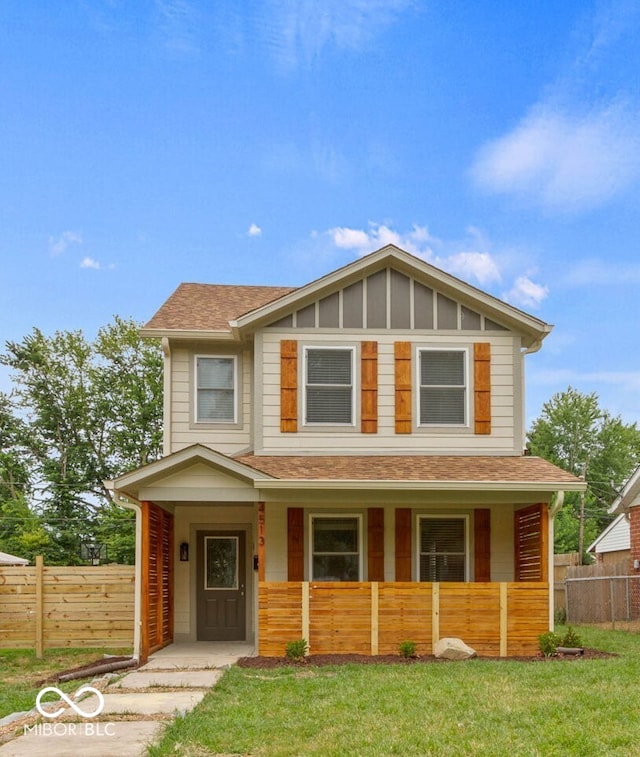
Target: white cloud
[(58, 245), (90, 263), (477, 265), (417, 241), (562, 161), (301, 30), (254, 230), (526, 293)]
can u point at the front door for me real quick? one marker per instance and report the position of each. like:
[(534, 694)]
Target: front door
[(221, 585)]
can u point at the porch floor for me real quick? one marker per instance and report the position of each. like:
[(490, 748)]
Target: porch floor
[(199, 655)]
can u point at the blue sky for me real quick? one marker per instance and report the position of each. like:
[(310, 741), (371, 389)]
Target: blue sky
[(270, 141)]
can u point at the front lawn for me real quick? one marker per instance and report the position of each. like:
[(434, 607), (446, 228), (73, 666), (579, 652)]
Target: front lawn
[(21, 673), (480, 707)]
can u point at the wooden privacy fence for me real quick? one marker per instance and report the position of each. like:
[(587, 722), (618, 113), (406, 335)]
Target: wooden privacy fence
[(496, 619), (45, 607)]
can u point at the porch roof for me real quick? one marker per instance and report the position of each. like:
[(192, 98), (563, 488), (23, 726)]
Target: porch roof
[(429, 471)]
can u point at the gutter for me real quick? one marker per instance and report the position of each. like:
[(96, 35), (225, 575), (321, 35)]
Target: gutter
[(388, 485)]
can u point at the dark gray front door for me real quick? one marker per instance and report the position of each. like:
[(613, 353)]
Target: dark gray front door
[(221, 586)]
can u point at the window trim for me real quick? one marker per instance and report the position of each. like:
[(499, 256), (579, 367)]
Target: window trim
[(319, 516), (467, 541), (467, 388), (354, 380), (209, 421)]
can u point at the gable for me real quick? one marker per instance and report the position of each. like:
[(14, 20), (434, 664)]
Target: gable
[(389, 299)]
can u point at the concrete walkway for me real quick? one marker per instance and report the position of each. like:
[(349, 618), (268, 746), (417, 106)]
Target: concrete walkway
[(137, 706)]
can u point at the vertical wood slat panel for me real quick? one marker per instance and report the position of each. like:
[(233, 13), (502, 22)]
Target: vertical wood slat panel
[(375, 544), (482, 544), (482, 387), (403, 544), (288, 386), (369, 387), (402, 357), (295, 544), (531, 541)]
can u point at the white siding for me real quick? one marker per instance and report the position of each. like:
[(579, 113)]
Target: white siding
[(505, 437)]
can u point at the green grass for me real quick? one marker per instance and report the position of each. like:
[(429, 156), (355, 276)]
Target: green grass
[(21, 673), (479, 707)]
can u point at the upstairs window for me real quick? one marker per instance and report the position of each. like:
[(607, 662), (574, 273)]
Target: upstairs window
[(329, 385), (443, 387), (442, 549), (335, 548), (216, 389)]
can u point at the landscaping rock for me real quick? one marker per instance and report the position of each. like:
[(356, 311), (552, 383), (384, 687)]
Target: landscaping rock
[(453, 649)]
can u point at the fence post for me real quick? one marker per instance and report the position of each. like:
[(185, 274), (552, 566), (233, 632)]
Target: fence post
[(612, 599), (39, 605)]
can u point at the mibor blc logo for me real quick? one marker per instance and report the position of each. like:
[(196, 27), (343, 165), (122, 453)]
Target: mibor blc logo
[(70, 702), (54, 728)]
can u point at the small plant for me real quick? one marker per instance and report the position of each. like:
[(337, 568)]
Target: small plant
[(560, 616), (407, 649), (549, 643), (297, 650), (571, 639)]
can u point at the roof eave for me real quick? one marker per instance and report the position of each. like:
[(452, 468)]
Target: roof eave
[(192, 335), (409, 485)]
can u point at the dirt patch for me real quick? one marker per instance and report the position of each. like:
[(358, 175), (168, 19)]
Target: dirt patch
[(321, 660)]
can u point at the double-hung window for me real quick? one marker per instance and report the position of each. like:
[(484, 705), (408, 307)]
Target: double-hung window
[(336, 553), (216, 389), (442, 376), (329, 385), (442, 548)]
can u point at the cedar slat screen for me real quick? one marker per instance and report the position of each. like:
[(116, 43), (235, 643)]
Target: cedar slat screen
[(530, 541)]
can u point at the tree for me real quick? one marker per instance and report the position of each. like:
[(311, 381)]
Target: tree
[(576, 434), (90, 411)]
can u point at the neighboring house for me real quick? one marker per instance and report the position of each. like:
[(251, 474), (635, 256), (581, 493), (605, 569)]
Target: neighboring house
[(6, 559), (614, 543), (628, 503), (344, 462)]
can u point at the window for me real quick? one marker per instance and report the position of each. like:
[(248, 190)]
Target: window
[(442, 549), (329, 385), (215, 389), (335, 548), (443, 391)]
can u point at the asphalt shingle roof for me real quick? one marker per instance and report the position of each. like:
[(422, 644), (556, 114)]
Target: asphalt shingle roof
[(409, 468), (210, 307)]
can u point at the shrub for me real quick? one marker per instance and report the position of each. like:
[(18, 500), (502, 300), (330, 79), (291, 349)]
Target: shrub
[(297, 650), (571, 639), (407, 649), (560, 616), (549, 643)]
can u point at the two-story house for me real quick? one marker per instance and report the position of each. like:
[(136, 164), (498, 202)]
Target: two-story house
[(343, 462)]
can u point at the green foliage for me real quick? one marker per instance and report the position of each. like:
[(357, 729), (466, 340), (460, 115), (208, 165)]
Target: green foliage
[(297, 650), (549, 643), (560, 616), (576, 434), (571, 638), (407, 649), (81, 413)]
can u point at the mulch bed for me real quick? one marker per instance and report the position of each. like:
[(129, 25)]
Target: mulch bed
[(320, 660)]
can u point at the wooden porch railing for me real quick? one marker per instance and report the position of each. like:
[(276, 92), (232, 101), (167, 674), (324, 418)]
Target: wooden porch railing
[(496, 619)]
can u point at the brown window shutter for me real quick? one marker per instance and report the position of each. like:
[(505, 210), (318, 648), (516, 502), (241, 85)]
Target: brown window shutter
[(288, 386), (482, 387), (403, 544), (369, 387), (295, 544), (402, 354), (482, 544), (375, 544)]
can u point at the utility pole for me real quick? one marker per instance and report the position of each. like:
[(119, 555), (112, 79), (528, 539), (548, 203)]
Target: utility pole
[(583, 476)]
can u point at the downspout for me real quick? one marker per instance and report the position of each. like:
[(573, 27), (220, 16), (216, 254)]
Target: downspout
[(134, 505), (166, 397), (554, 507)]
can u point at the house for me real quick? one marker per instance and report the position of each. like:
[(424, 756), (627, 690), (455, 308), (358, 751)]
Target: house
[(343, 462), (627, 503), (613, 545), (7, 559)]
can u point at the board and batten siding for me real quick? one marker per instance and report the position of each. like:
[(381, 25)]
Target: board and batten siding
[(506, 435), (184, 432)]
